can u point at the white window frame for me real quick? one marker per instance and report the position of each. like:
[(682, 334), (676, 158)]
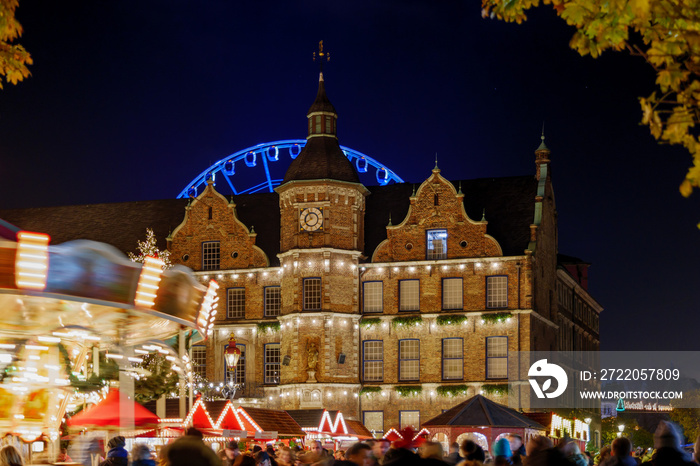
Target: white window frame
[(312, 294), (409, 418), (211, 255), (373, 360), (452, 359), (235, 303), (497, 357), (436, 244), (272, 364), (409, 360), (273, 301), (199, 359)]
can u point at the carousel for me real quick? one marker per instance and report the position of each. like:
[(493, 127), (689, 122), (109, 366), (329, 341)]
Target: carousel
[(67, 307)]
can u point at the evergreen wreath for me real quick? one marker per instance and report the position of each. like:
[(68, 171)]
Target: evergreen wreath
[(451, 320)]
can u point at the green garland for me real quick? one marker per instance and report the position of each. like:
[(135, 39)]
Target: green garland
[(452, 390), (409, 390), (451, 320), (371, 322), (369, 391), (495, 318), (264, 326), (498, 389), (406, 321)]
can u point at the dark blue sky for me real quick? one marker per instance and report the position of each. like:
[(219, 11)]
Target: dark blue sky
[(131, 100)]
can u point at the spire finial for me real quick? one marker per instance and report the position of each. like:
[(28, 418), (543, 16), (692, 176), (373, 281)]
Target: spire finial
[(436, 165), (321, 57), (483, 215), (390, 224), (460, 187), (413, 194), (543, 146)]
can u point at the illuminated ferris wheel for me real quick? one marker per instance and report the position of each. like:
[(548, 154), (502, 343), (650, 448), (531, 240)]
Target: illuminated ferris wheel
[(262, 167)]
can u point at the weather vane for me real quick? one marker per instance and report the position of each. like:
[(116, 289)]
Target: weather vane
[(322, 55)]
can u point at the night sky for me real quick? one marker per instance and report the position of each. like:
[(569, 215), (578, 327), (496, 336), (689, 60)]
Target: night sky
[(131, 100)]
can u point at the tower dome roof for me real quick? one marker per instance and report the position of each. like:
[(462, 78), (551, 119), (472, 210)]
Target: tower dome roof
[(321, 158)]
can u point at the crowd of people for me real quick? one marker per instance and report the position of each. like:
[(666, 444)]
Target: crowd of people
[(190, 450)]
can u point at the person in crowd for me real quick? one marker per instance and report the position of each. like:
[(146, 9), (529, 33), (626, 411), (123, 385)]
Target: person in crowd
[(471, 451), (10, 456), (271, 453), (63, 456), (245, 459), (261, 458), (117, 454), (454, 457), (339, 455), (379, 448), (540, 451), (572, 453), (315, 455), (359, 454), (502, 453), (518, 449), (667, 442), (432, 454), (190, 450), (229, 453), (141, 455), (590, 458), (603, 454), (285, 456), (620, 454)]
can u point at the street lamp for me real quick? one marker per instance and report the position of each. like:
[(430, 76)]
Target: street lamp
[(232, 354)]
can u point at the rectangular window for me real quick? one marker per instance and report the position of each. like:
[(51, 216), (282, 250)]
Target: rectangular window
[(199, 360), (452, 359), (409, 295), (452, 293), (409, 419), (436, 244), (374, 422), (210, 255), (373, 360), (497, 291), (235, 303), (496, 357), (312, 294), (373, 296), (272, 363), (328, 125), (409, 360), (318, 124), (239, 373), (273, 301)]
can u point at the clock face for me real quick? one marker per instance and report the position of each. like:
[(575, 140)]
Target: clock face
[(311, 219)]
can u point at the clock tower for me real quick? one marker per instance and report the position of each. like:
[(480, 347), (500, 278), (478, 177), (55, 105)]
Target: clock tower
[(322, 208)]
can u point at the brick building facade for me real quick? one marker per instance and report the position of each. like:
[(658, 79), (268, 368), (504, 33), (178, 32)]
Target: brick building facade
[(389, 303)]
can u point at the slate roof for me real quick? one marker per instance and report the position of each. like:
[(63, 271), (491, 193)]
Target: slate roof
[(273, 420), (357, 428), (480, 411), (307, 417), (322, 103), (509, 204)]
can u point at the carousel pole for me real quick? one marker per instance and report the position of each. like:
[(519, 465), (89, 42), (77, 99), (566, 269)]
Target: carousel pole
[(182, 394), (126, 382)]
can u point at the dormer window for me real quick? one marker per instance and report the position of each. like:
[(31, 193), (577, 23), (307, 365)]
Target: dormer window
[(436, 244), (329, 130)]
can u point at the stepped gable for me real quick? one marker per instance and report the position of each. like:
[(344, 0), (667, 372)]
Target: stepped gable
[(509, 205)]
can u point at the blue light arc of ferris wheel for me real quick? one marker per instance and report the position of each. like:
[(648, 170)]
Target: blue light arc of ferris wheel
[(271, 152)]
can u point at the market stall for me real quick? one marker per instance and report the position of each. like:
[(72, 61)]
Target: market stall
[(481, 420)]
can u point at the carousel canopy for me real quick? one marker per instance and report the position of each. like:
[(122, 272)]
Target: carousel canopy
[(106, 413), (480, 411)]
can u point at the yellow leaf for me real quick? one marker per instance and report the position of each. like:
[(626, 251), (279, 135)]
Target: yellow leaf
[(686, 188)]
